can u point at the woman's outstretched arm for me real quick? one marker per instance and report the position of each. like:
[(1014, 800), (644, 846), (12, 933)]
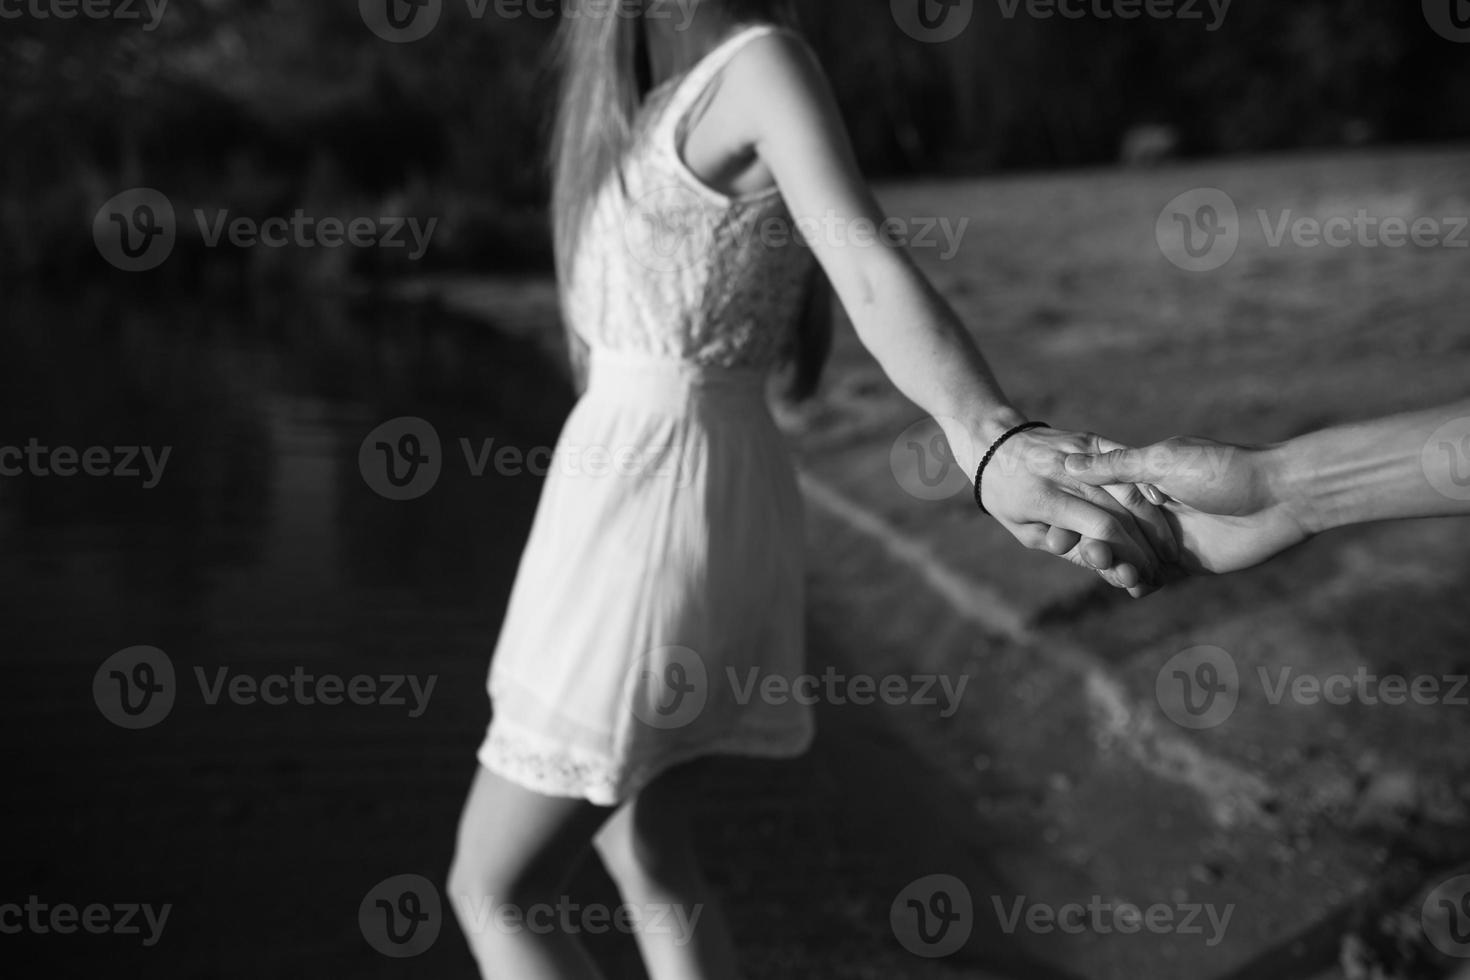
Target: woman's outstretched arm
[(777, 102)]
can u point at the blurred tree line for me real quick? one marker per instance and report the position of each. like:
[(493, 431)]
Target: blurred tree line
[(263, 106)]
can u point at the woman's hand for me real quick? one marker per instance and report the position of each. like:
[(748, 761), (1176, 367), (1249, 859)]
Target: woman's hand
[(1112, 529), (1223, 499)]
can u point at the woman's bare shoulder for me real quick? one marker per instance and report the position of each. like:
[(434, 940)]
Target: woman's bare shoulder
[(775, 70)]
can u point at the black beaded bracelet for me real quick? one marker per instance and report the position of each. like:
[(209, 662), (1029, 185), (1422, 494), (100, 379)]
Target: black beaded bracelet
[(990, 453)]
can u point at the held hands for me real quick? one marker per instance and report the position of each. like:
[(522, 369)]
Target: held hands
[(1223, 501), (1107, 526)]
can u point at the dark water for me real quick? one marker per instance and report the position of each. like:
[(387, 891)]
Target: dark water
[(262, 551), (267, 831)]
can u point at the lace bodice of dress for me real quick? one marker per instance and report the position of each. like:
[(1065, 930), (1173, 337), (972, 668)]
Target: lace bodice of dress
[(668, 266)]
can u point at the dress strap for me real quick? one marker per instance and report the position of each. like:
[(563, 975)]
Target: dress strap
[(693, 85)]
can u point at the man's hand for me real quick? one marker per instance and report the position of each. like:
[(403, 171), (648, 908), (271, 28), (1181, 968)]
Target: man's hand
[(1221, 499)]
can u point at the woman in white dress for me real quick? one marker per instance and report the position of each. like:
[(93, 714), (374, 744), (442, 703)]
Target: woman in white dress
[(664, 569)]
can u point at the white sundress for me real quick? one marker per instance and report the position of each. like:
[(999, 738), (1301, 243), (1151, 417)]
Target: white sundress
[(663, 579)]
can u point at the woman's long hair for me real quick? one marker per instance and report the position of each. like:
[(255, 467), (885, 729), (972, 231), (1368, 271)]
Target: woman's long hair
[(605, 74)]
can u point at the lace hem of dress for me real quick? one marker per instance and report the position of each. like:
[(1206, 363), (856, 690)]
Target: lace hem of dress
[(558, 770)]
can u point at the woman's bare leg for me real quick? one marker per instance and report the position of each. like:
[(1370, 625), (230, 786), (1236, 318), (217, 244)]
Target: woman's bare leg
[(648, 848), (515, 852)]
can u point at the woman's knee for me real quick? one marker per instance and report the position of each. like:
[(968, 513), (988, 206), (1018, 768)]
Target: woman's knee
[(506, 876), (515, 846), (647, 852)]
